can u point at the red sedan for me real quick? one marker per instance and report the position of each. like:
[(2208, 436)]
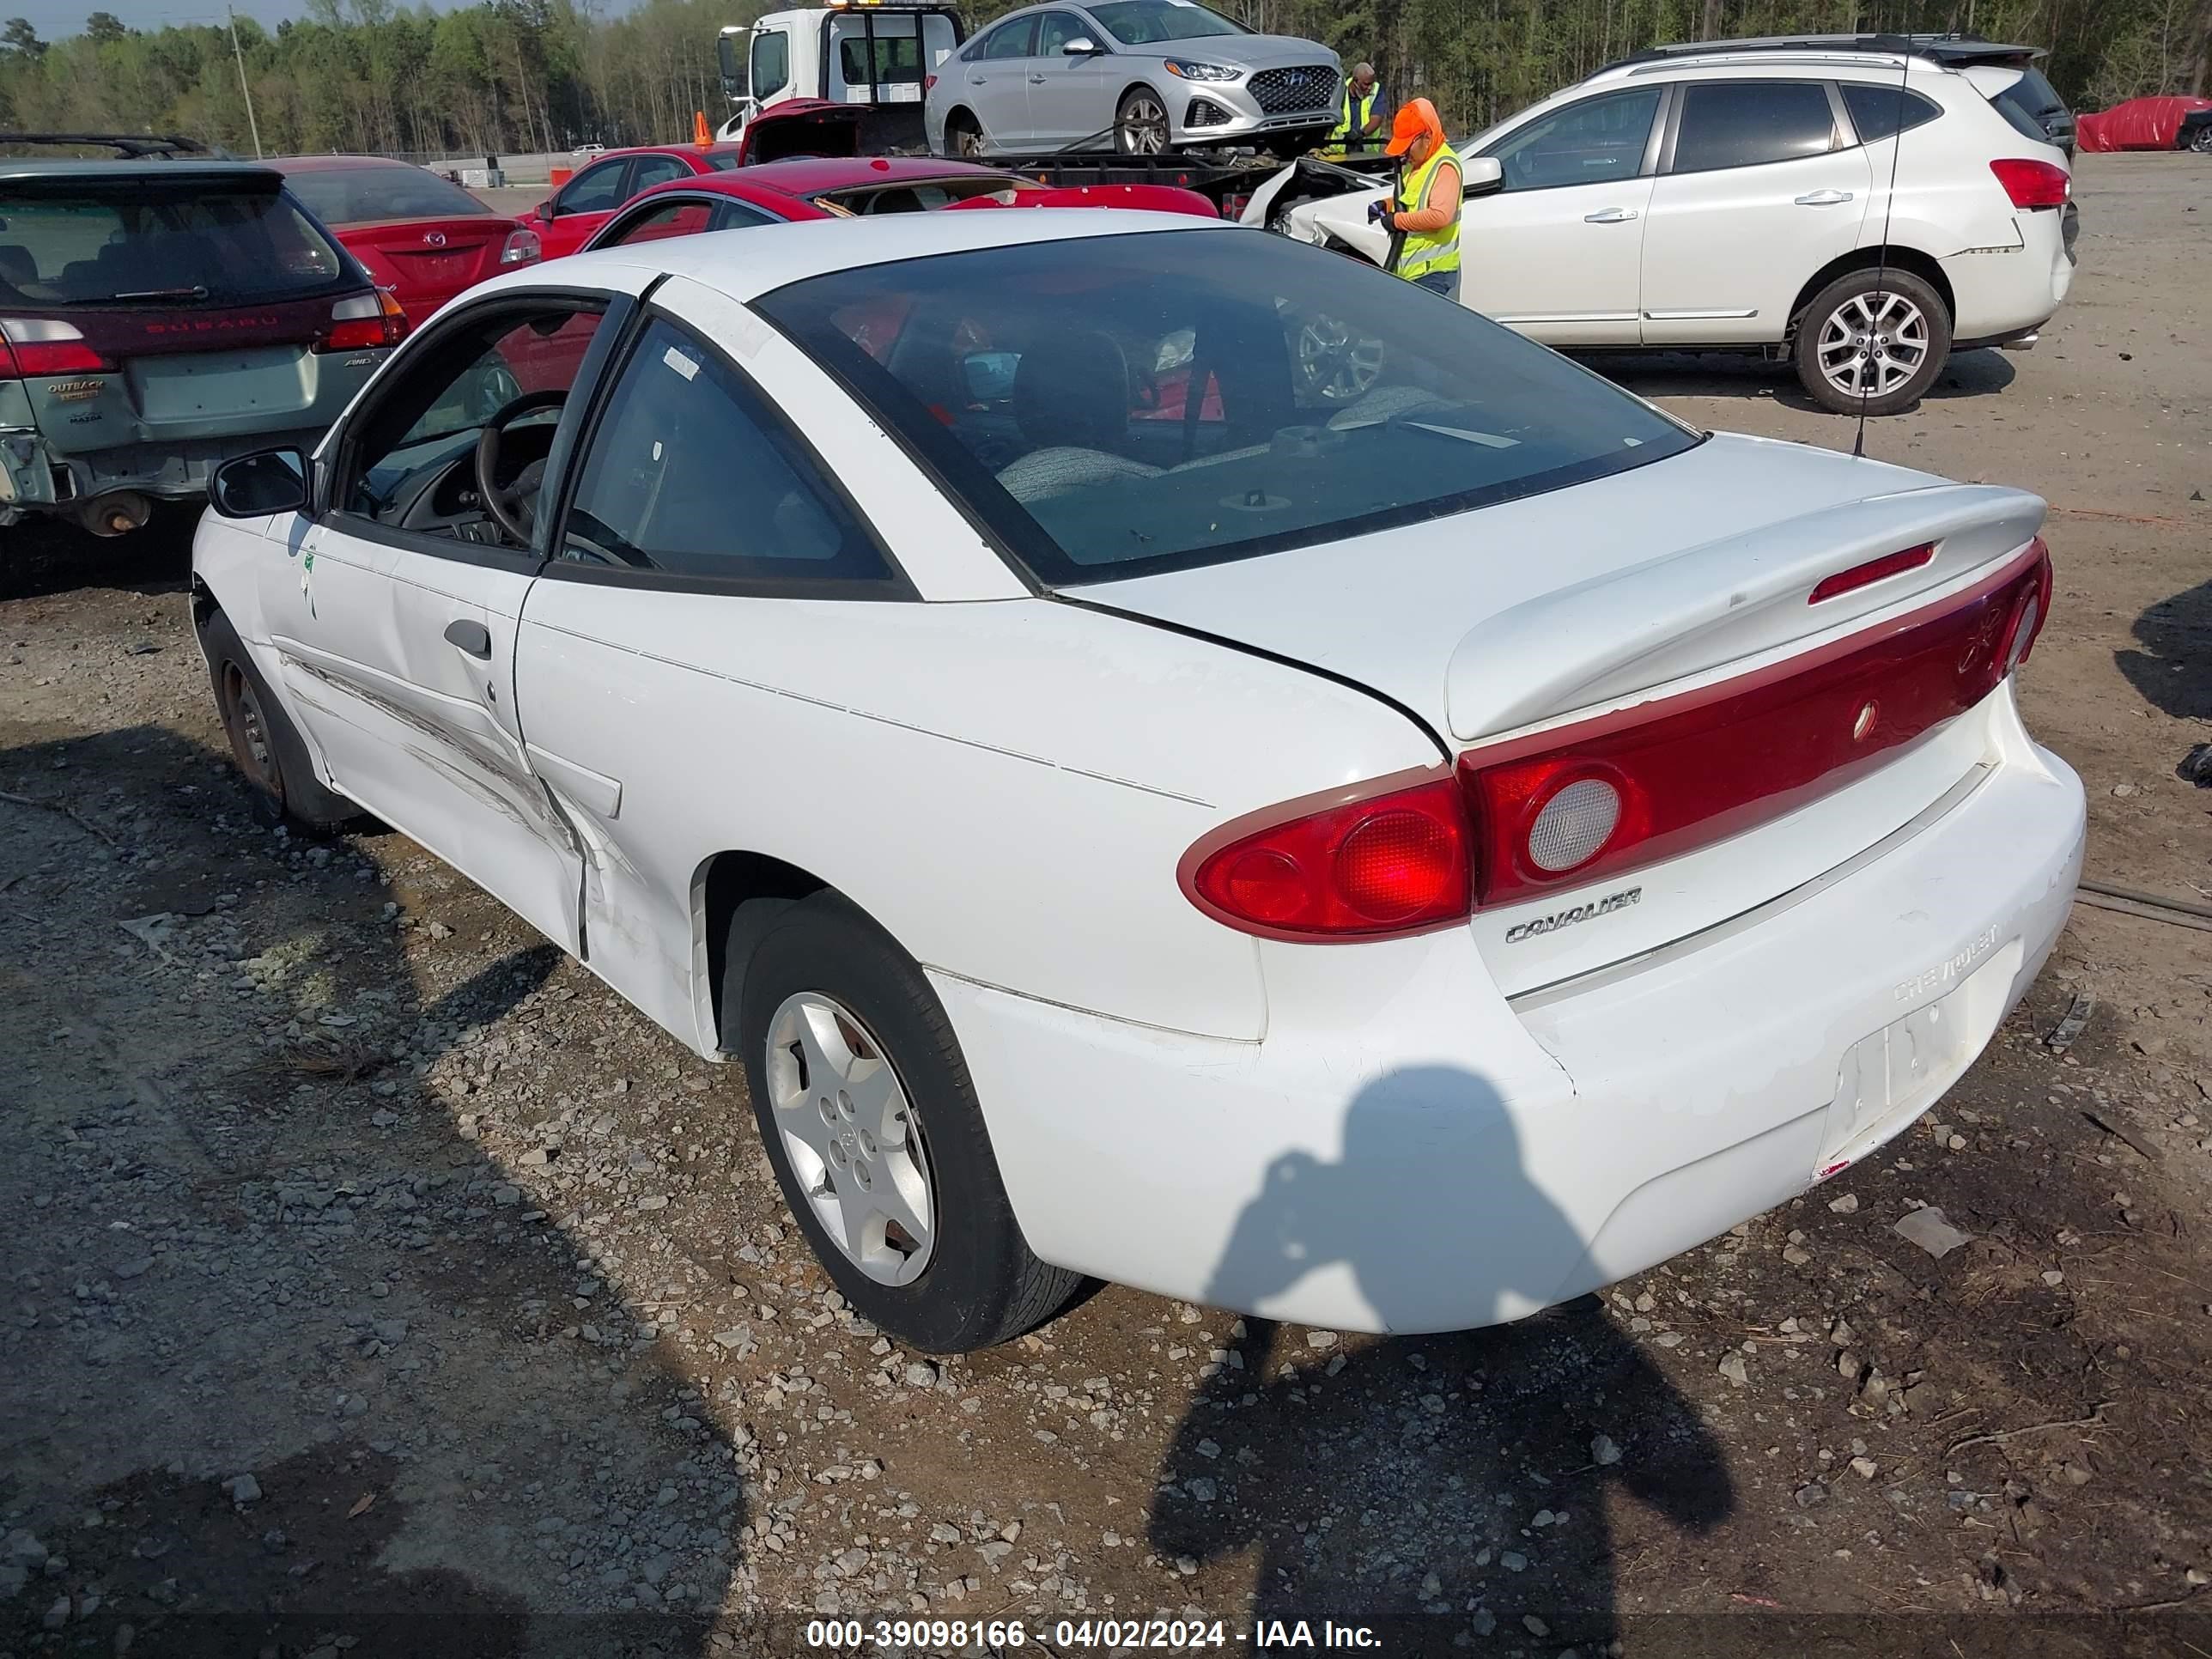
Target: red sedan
[(845, 186), (422, 237), (568, 218)]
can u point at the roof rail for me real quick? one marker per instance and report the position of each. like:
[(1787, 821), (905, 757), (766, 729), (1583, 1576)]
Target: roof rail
[(1947, 49), (132, 146)]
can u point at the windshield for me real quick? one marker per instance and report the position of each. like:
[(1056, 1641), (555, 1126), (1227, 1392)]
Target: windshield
[(356, 196), (145, 241), (1145, 22), (1117, 405)]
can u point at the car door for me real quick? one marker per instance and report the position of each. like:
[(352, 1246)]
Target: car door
[(1556, 251), (584, 204), (698, 516), (1758, 188), (996, 79), (392, 614), (1071, 95)]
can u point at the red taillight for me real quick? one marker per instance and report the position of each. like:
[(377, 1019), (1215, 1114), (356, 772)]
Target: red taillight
[(1357, 863), (2033, 184), (365, 322), (929, 84), (1690, 771), (1233, 206), (41, 346), (1874, 570), (522, 248)]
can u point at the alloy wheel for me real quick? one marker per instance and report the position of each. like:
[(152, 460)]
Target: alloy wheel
[(1144, 125), (851, 1137), (1872, 344)]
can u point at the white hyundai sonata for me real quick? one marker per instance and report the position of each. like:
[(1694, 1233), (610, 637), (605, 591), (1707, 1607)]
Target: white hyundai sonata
[(1170, 755)]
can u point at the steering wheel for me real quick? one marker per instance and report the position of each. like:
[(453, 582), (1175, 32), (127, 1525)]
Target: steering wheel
[(514, 508)]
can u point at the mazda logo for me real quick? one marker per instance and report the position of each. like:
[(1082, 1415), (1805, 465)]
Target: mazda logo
[(433, 237)]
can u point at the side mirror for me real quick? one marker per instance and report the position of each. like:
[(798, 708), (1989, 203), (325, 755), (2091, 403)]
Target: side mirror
[(1082, 47), (549, 210), (1482, 176), (254, 486), (990, 375)]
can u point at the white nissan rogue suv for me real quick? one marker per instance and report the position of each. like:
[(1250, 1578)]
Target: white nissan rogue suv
[(1855, 204)]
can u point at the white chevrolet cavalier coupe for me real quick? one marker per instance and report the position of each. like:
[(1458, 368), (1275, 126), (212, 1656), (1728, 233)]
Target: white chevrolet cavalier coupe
[(1170, 755)]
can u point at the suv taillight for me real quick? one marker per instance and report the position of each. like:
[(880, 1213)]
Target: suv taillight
[(366, 321), (522, 248), (41, 346), (2033, 184)]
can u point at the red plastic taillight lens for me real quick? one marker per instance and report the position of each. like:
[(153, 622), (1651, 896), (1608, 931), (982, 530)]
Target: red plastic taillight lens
[(2033, 184), (522, 248), (42, 346), (1690, 771), (366, 321), (1358, 864), (1872, 571), (929, 84)]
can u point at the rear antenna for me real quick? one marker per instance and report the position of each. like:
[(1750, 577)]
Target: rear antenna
[(1881, 253)]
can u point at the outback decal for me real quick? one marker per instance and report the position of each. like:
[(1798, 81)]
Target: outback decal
[(1559, 919), (1920, 984), (73, 391), (213, 325)]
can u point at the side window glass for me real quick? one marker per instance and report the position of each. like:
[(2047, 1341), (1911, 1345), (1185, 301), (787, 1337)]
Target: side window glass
[(1742, 123), (595, 190), (740, 216), (656, 170), (1011, 41), (669, 219), (1878, 111), (692, 473), (771, 63), (1593, 142), (1054, 31), (413, 466)]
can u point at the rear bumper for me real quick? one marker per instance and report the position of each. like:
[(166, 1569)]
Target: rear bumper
[(1405, 1151), (35, 478), (2003, 292)]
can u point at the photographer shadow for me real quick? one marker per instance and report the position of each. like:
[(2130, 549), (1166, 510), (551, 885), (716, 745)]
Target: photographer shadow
[(1452, 1485)]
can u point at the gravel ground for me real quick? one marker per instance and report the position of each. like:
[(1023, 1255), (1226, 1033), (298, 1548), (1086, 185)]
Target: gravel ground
[(378, 1283)]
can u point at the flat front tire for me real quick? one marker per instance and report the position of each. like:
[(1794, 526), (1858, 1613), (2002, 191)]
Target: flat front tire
[(268, 749), (872, 1126)]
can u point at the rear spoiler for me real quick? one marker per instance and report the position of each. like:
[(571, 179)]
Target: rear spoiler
[(1724, 602)]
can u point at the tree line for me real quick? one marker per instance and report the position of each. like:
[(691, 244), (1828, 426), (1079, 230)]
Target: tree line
[(519, 76)]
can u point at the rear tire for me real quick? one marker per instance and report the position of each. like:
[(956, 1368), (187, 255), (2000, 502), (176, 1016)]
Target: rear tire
[(1872, 343), (268, 749), (2201, 140), (833, 1018)]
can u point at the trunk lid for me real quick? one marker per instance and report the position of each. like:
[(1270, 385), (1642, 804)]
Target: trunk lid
[(1500, 624), (428, 261)]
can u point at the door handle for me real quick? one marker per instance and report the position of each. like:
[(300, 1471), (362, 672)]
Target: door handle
[(1609, 216), (1824, 198), (472, 637), (1037, 80)]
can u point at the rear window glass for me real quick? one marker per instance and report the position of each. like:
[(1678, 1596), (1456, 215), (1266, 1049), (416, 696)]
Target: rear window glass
[(2029, 104), (1878, 111), (140, 241), (1118, 405), (357, 196)]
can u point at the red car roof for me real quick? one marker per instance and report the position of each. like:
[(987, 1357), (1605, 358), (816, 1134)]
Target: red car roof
[(331, 163)]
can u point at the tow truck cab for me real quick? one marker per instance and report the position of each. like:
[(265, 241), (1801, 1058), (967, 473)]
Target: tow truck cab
[(859, 52)]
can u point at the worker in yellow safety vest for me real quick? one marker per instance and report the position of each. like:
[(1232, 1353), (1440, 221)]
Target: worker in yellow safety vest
[(1359, 111), (1426, 205)]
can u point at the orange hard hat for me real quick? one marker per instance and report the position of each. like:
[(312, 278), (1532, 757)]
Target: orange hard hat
[(1414, 117)]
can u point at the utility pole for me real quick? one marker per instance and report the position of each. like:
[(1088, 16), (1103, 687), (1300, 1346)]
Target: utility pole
[(239, 53)]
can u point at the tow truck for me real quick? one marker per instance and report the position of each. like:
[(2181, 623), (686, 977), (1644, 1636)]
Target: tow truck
[(857, 68)]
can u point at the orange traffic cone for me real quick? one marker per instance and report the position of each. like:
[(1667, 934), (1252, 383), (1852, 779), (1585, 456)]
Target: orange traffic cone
[(700, 135)]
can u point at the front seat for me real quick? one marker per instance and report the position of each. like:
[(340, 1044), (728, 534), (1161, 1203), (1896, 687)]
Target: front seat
[(1071, 403)]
